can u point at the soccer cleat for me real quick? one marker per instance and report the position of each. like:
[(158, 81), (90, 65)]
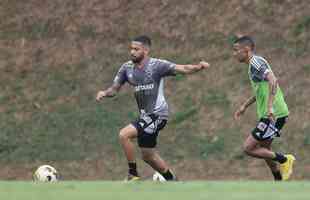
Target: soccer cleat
[(286, 168), (131, 177), (160, 178), (175, 178)]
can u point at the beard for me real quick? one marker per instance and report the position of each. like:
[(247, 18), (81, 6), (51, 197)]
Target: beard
[(242, 59), (136, 60)]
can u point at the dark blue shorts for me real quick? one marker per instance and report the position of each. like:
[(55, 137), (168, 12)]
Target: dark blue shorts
[(267, 130), (148, 127)]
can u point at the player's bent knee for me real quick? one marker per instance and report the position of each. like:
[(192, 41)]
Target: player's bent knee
[(247, 149), (123, 135), (247, 152)]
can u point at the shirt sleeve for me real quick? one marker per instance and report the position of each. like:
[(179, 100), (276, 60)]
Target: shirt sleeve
[(121, 76), (259, 69), (166, 68)]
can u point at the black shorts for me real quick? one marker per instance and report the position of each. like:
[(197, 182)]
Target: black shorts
[(267, 130), (148, 127)]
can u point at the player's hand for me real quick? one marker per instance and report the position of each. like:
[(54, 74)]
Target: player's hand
[(239, 112), (270, 115), (204, 65), (100, 95)]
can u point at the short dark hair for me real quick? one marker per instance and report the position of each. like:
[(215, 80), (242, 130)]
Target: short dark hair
[(145, 40), (246, 40)]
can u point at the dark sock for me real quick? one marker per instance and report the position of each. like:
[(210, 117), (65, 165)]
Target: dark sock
[(277, 176), (132, 168), (168, 175), (280, 158)]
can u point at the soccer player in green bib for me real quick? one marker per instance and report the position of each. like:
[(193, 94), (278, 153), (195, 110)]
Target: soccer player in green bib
[(272, 110)]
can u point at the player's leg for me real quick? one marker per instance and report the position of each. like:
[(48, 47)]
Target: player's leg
[(252, 148), (149, 127), (254, 145), (264, 131), (125, 136), (262, 149), (273, 166), (151, 157), (286, 168)]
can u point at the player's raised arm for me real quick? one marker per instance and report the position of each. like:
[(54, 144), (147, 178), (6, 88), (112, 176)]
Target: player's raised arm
[(110, 92), (189, 69)]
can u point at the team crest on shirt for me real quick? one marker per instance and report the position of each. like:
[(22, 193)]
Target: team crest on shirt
[(148, 75)]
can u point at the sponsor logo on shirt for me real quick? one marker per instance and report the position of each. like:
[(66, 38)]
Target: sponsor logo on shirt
[(144, 87)]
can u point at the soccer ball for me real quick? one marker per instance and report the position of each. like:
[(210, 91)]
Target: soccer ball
[(158, 177), (45, 173)]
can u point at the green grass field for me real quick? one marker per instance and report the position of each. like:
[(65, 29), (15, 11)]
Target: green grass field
[(215, 190)]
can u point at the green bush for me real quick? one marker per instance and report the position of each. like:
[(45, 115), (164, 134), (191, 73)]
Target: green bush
[(301, 27), (213, 146)]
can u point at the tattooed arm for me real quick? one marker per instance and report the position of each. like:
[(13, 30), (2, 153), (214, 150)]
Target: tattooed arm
[(110, 92)]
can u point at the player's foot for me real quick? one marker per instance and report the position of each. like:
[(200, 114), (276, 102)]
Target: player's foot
[(160, 178), (175, 178), (286, 168), (131, 177)]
